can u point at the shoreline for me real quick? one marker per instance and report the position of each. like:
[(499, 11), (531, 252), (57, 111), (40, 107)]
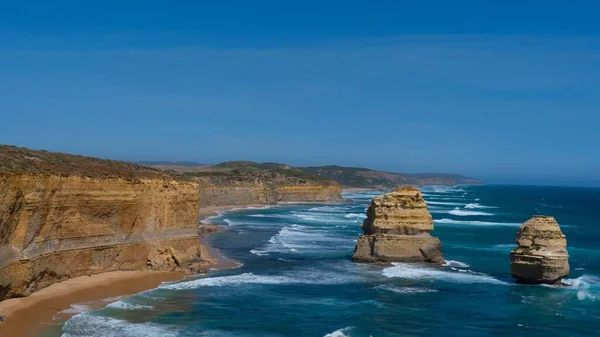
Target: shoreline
[(31, 315)]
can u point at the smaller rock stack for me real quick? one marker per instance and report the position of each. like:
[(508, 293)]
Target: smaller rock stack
[(542, 255), (397, 230)]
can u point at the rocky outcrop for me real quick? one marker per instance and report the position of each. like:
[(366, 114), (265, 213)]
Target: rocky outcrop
[(397, 229), (542, 255), (56, 227)]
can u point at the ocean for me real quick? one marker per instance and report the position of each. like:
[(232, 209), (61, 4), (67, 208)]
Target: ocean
[(298, 279)]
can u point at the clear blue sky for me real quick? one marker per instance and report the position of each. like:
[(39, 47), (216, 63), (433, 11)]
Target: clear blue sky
[(504, 90)]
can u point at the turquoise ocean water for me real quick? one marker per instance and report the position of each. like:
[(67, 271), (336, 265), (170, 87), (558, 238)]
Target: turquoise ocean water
[(298, 279)]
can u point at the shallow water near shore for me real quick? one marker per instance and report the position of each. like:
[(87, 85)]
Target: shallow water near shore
[(297, 277)]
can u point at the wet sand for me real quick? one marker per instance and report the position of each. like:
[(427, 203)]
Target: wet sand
[(28, 316), (31, 315)]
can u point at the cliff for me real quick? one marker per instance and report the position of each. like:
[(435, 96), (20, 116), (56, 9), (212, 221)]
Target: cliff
[(243, 183), (541, 255), (397, 229), (63, 216), (357, 177)]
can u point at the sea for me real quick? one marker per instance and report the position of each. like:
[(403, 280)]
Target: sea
[(297, 277)]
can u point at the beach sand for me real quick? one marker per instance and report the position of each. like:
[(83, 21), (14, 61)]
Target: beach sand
[(29, 316)]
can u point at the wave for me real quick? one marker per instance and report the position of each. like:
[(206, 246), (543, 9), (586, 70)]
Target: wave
[(355, 216), (407, 271), (442, 189), (129, 306), (477, 223), (453, 263), (299, 277), (297, 238), (444, 203), (87, 324), (329, 209), (405, 290), (477, 206), (459, 212), (315, 218), (76, 309), (340, 332), (587, 287)]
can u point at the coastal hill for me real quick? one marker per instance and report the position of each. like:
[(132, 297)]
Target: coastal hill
[(22, 160), (347, 177), (358, 177)]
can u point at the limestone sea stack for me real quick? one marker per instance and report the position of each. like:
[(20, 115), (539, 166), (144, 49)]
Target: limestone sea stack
[(542, 255), (397, 230)]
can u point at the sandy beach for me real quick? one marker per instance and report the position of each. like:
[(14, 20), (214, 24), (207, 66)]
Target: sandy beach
[(29, 316)]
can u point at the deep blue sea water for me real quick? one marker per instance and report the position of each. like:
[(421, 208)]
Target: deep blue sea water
[(298, 279)]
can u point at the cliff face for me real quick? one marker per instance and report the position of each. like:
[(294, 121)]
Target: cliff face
[(243, 183), (223, 195), (63, 216), (542, 255), (397, 230), (53, 228)]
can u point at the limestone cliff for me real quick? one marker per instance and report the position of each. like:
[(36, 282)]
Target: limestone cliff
[(542, 255), (397, 230), (63, 216), (243, 183)]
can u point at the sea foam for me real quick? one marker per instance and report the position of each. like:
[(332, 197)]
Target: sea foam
[(340, 333), (476, 223), (477, 206), (460, 212), (407, 271), (88, 324)]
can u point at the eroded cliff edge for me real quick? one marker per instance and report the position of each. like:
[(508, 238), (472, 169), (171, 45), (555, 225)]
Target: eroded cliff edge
[(63, 216)]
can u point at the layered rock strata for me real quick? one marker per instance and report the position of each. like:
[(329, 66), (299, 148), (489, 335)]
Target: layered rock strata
[(56, 227), (541, 255), (397, 229), (247, 194)]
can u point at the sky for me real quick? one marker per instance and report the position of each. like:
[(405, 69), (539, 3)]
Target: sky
[(506, 91)]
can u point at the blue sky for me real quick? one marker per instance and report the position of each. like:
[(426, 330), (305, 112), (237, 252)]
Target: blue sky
[(509, 92)]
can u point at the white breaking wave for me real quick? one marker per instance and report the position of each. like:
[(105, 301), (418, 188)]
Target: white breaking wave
[(340, 333), (477, 206), (506, 245), (407, 271), (445, 203), (355, 216), (298, 238), (459, 212), (477, 223), (316, 218), (405, 290), (128, 306), (301, 277), (87, 324), (76, 309), (329, 209), (587, 287), (453, 263)]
